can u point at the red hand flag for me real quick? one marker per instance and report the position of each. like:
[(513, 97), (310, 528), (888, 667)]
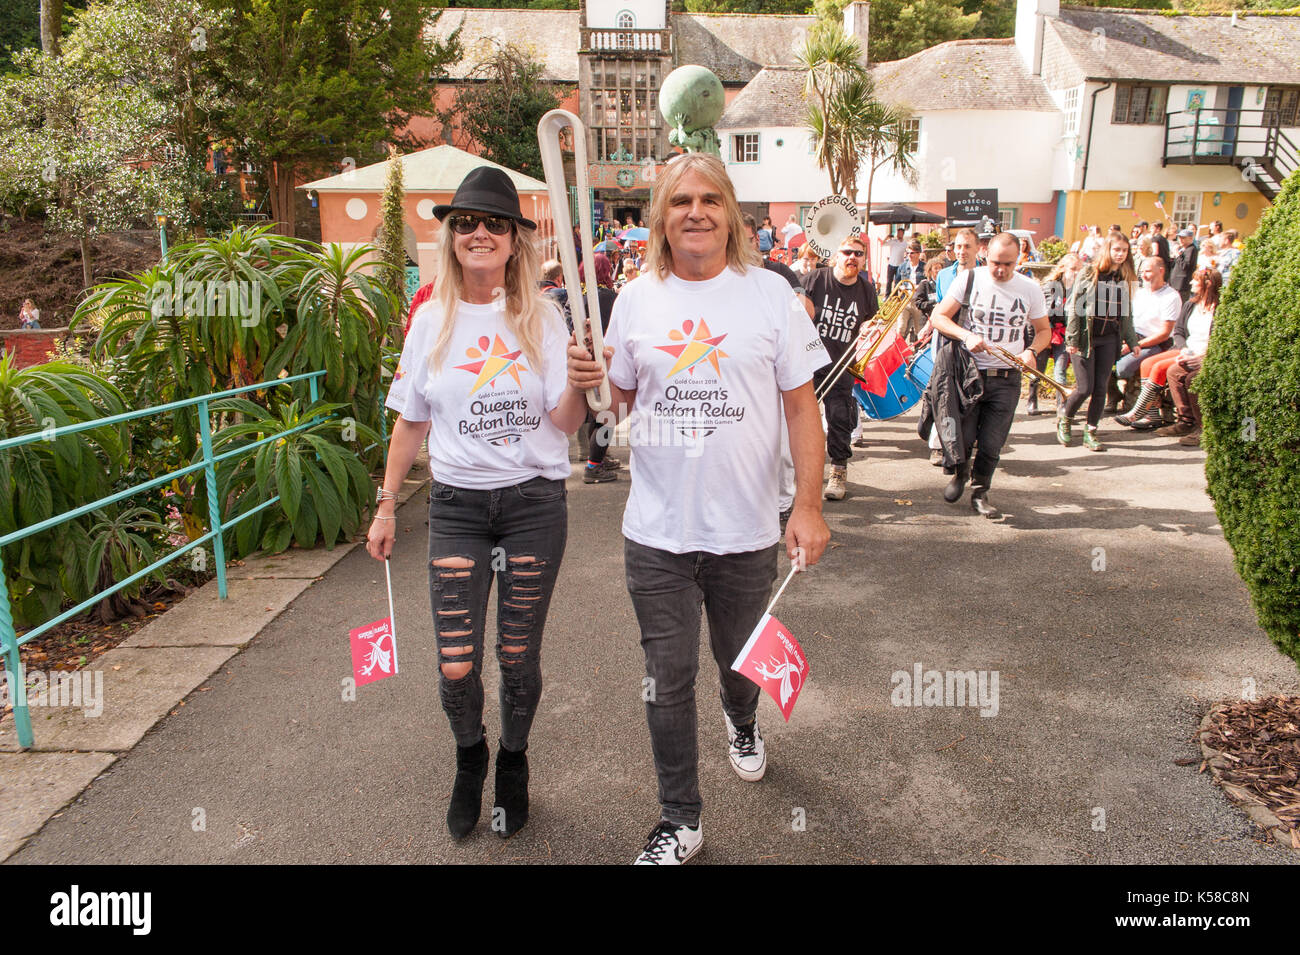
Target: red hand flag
[(374, 651), (774, 660)]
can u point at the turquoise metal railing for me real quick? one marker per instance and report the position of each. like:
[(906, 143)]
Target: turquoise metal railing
[(9, 641)]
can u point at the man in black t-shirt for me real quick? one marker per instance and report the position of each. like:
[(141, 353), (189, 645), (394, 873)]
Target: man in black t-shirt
[(842, 299)]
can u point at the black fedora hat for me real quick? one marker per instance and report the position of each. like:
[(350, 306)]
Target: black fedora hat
[(489, 190)]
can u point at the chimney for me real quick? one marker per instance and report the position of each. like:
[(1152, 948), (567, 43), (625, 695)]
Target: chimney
[(855, 24), (1030, 15)]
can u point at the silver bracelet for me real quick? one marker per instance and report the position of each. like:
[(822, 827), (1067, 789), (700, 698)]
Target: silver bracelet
[(380, 517)]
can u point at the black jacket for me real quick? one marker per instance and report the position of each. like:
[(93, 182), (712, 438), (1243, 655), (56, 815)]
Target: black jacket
[(1180, 273), (955, 388)]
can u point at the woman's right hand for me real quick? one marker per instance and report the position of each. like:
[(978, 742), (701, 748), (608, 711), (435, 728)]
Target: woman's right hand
[(1072, 349), (382, 537)]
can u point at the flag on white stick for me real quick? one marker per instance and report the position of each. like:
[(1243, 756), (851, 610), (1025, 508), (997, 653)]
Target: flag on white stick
[(374, 645)]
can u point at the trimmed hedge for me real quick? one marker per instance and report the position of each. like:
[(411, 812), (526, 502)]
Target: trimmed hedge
[(1249, 392)]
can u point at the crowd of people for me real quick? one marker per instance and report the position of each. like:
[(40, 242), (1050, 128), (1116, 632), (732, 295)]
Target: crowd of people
[(728, 361)]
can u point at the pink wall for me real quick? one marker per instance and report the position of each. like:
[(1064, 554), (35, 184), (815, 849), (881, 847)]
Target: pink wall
[(337, 226)]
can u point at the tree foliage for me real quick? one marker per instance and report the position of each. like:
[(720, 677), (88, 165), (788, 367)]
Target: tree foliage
[(72, 140), (1249, 392), (310, 84), (499, 110)]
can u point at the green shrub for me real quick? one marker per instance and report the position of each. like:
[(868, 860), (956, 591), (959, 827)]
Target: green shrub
[(242, 308), (1052, 251), (49, 477), (1250, 398)]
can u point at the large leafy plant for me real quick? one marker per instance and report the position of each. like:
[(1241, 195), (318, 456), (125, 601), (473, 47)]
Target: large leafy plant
[(51, 476), (322, 485)]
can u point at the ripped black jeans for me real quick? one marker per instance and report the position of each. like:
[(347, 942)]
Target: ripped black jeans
[(516, 534)]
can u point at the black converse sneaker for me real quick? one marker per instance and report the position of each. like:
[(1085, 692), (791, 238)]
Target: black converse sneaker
[(748, 756), (671, 844)]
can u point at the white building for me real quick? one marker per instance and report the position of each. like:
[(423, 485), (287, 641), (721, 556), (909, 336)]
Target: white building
[(1088, 116)]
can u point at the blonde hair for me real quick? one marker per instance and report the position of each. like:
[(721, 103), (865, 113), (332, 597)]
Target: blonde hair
[(526, 309), (659, 256)]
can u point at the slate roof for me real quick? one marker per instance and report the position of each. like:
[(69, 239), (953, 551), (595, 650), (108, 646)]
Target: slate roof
[(773, 98), (437, 169), (962, 74), (1140, 45), (550, 37), (737, 46), (734, 46)]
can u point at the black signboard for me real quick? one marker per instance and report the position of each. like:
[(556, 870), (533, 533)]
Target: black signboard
[(972, 205)]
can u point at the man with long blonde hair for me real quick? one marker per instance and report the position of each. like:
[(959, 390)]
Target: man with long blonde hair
[(703, 354)]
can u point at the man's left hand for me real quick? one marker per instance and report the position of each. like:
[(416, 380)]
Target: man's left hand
[(806, 535), (1029, 357)]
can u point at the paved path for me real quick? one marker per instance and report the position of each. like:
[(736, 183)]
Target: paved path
[(1103, 677)]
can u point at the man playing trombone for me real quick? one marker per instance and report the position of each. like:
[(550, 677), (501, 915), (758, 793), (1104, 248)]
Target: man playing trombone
[(843, 300), (1001, 302)]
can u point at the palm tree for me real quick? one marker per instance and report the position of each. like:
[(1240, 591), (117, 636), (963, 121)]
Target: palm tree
[(885, 141), (833, 61)]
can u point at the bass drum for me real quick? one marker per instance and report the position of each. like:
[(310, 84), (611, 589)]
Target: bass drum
[(895, 379)]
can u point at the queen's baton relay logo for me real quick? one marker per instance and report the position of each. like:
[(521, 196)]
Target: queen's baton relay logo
[(498, 410), (696, 401)]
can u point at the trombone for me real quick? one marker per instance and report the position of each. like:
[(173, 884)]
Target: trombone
[(1015, 362), (886, 317), (586, 320)]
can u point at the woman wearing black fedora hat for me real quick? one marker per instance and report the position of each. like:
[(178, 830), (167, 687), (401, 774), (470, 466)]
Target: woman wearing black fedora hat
[(483, 374)]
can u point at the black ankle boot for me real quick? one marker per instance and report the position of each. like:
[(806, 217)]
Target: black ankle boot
[(467, 791), (512, 791), (957, 486)]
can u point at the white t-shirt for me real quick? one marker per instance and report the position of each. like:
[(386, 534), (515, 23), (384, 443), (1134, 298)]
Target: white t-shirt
[(708, 361), (489, 408), (1198, 330), (999, 311), (897, 250), (818, 357), (789, 229), (1152, 309)]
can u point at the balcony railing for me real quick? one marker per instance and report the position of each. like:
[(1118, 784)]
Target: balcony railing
[(1247, 138), (651, 42)]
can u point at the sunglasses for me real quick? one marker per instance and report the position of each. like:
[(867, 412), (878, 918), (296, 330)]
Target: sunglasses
[(852, 253), (467, 225)]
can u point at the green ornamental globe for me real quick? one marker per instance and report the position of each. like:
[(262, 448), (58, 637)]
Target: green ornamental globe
[(691, 96)]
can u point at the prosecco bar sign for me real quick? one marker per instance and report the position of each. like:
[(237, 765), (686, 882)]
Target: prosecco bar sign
[(968, 206)]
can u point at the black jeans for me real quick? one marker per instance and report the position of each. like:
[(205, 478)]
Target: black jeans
[(667, 590), (841, 410), (516, 534), (1091, 376), (988, 424)]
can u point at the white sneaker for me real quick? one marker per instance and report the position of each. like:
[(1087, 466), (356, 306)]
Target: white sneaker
[(671, 844), (748, 757)]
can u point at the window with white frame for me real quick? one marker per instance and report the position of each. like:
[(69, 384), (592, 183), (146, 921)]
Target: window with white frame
[(1070, 107), (626, 21), (1125, 200), (1006, 219), (912, 128), (1187, 210), (744, 147)]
